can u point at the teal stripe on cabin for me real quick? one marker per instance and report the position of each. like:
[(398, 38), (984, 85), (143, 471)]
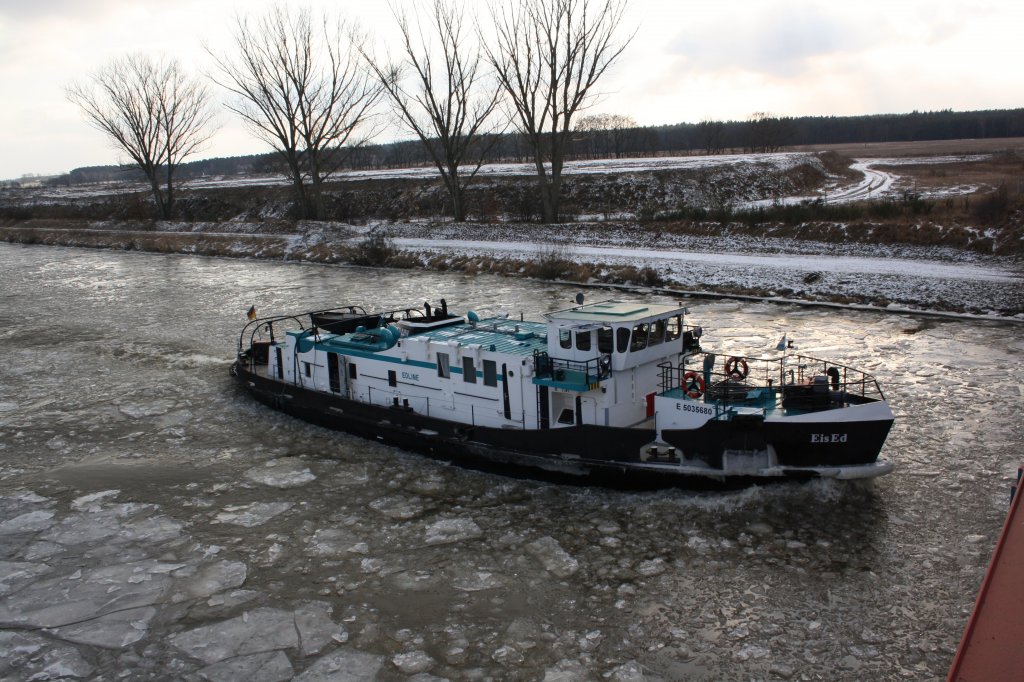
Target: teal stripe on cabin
[(350, 353)]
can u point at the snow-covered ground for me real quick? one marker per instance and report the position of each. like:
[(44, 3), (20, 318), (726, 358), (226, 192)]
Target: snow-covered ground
[(940, 279), (875, 184), (879, 184)]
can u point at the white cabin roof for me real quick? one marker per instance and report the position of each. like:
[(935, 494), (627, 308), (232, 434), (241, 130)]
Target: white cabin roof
[(612, 312)]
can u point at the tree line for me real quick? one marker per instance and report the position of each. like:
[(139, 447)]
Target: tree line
[(706, 137)]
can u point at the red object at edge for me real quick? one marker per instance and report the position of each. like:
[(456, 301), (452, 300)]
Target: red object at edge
[(992, 647)]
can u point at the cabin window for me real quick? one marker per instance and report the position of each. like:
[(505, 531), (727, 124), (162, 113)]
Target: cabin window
[(565, 338), (674, 328), (309, 369), (583, 340), (604, 340), (468, 371), (622, 339), (639, 337), (443, 369), (490, 373), (567, 416), (392, 378), (352, 374), (657, 332)]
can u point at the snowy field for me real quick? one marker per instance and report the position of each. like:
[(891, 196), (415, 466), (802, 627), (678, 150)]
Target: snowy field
[(875, 184)]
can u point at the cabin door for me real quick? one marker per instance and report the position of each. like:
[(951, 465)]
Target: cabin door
[(544, 408), (334, 372)]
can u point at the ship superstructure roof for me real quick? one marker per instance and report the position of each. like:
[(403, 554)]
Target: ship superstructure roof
[(498, 334), (612, 312)]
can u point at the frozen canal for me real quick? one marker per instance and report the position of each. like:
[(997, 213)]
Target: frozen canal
[(157, 524)]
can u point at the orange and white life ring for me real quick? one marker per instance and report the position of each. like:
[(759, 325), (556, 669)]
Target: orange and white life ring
[(693, 385)]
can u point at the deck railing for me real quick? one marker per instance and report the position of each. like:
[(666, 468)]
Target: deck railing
[(580, 373), (801, 381)]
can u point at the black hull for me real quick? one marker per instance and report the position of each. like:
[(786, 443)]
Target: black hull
[(796, 444), (586, 453)]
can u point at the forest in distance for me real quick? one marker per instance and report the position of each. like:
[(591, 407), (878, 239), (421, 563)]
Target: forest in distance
[(618, 139)]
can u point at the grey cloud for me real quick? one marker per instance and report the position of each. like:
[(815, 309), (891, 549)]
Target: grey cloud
[(777, 40)]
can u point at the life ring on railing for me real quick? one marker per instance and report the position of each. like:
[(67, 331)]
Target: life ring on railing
[(736, 368), (693, 385)]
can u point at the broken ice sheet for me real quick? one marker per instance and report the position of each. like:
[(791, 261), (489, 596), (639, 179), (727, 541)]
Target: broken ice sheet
[(29, 522), (110, 631), (85, 595), (315, 627), (452, 530), (255, 631), (210, 579), (332, 542), (28, 656), (281, 473), (343, 665), (398, 507), (550, 554), (121, 523), (93, 501), (15, 574), (412, 662), (254, 514), (269, 666)]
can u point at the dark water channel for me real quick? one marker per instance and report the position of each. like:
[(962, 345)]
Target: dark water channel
[(157, 524)]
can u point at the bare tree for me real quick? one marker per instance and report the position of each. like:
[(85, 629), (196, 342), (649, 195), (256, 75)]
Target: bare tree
[(153, 111), (548, 55), (448, 104), (300, 86)]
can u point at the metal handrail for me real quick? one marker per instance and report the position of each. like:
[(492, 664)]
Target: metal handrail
[(768, 374)]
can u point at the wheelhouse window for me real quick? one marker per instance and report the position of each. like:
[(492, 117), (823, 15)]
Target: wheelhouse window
[(468, 371), (565, 338), (443, 369), (639, 337), (604, 340), (657, 332), (622, 339), (583, 339), (490, 373), (675, 328)]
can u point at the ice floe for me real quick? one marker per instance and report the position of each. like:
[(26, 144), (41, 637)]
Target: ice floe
[(282, 473)]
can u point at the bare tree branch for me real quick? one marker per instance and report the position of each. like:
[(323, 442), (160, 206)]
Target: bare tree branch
[(548, 56), (300, 86), (439, 91), (153, 111)]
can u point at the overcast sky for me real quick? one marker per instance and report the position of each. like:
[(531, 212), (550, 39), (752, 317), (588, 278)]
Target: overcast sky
[(689, 61)]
